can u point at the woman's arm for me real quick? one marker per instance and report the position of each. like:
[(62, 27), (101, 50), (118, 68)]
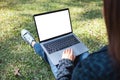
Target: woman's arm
[(66, 65), (65, 69)]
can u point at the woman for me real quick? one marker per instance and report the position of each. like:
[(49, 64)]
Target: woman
[(101, 65)]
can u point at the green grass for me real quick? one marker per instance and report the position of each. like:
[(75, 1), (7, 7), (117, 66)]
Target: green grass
[(15, 15)]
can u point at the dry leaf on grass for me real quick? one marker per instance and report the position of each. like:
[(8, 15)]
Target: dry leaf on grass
[(16, 72)]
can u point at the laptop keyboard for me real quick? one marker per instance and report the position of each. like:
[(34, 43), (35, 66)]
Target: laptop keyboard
[(61, 44)]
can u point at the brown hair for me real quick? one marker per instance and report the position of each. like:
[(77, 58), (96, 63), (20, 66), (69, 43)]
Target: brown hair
[(112, 20)]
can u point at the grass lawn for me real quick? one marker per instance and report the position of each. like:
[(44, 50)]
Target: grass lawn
[(15, 15)]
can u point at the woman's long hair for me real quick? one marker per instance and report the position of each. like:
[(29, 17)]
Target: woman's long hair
[(112, 20)]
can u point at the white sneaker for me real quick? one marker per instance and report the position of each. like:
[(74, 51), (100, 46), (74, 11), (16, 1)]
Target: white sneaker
[(27, 37)]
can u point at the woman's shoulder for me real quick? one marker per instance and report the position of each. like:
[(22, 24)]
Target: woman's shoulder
[(100, 58), (101, 55), (100, 63), (96, 66)]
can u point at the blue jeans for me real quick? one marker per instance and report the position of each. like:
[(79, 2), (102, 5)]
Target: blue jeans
[(38, 49)]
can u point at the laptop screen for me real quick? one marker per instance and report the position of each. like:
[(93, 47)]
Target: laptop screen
[(53, 24)]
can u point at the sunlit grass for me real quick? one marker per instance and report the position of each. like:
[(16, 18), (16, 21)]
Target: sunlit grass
[(87, 23)]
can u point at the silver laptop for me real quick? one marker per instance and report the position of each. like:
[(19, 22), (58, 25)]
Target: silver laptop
[(55, 34)]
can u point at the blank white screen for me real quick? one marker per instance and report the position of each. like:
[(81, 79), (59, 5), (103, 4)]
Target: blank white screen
[(53, 24)]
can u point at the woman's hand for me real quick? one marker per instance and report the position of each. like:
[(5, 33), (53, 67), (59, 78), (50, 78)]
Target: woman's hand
[(68, 54)]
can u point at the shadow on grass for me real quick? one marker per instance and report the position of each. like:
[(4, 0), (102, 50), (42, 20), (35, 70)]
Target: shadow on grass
[(93, 14), (89, 15), (14, 53), (48, 5), (88, 1), (53, 5), (13, 3)]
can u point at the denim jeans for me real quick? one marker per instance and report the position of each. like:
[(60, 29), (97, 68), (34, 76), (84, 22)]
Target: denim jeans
[(38, 49)]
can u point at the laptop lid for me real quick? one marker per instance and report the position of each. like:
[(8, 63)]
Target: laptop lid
[(53, 24)]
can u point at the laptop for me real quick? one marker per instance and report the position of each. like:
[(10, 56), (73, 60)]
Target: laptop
[(55, 34)]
